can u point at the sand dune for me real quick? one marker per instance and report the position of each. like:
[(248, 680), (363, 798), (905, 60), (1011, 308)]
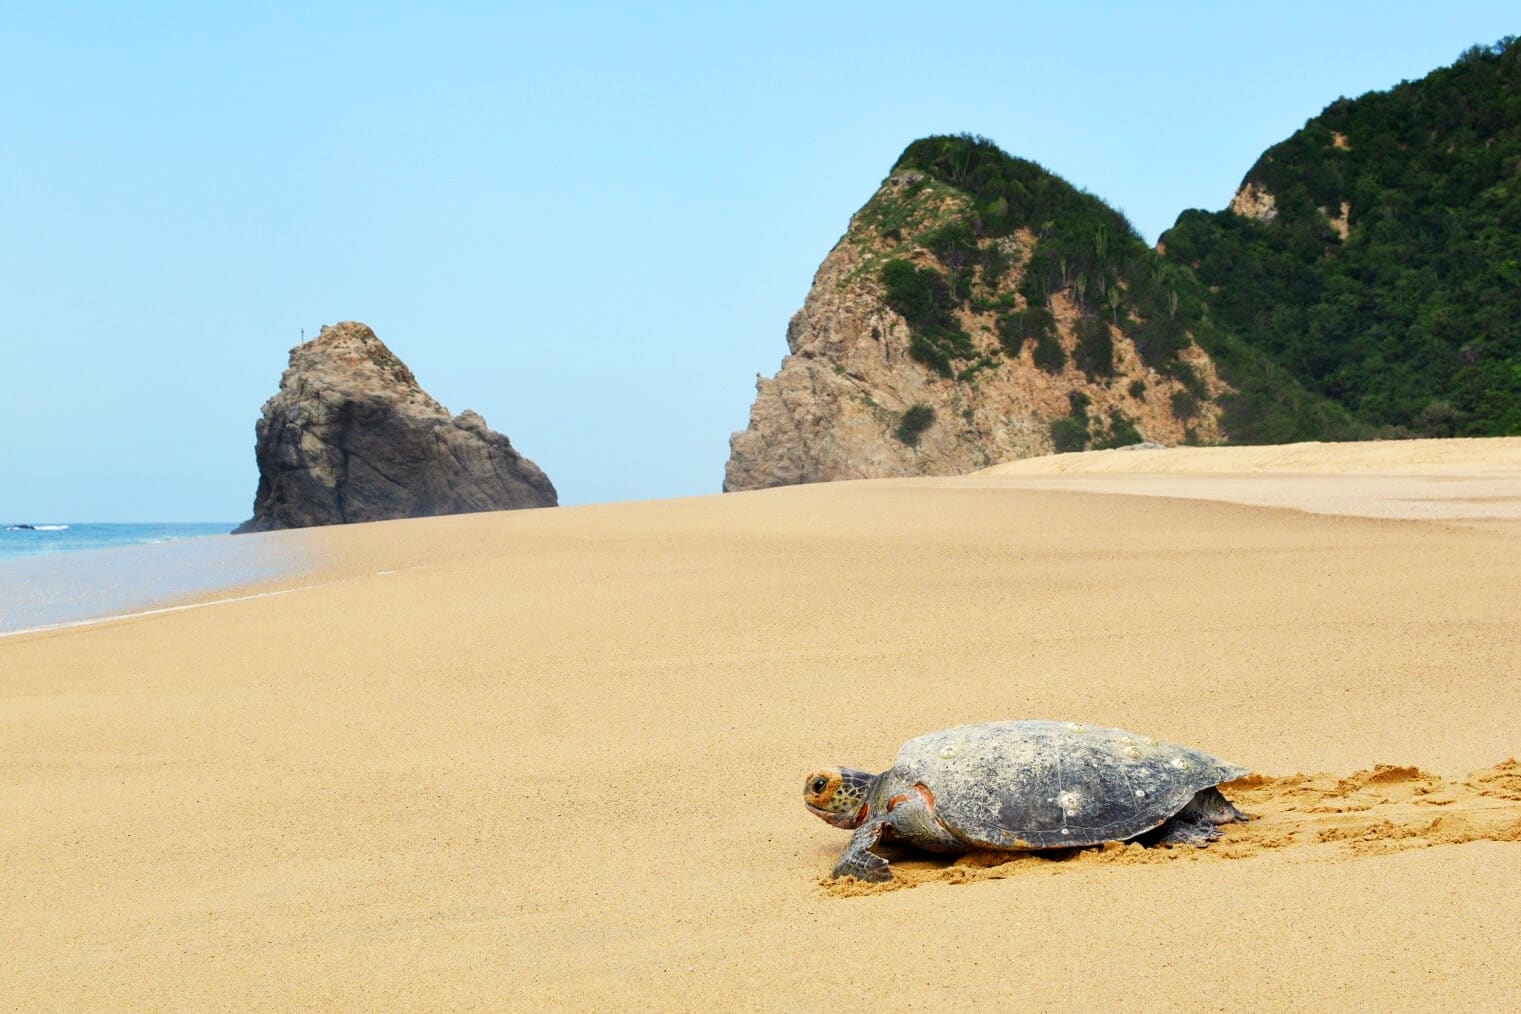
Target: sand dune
[(555, 759), (1499, 456), (1448, 480)]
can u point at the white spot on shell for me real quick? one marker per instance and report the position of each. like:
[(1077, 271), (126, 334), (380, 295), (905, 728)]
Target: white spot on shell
[(1069, 801), (1076, 727), (1181, 764), (1140, 793), (1133, 752), (947, 752), (1065, 831)]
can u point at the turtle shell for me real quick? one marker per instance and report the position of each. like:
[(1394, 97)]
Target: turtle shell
[(1032, 785)]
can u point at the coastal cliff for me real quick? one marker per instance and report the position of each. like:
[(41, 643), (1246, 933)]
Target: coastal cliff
[(980, 309), (351, 436)]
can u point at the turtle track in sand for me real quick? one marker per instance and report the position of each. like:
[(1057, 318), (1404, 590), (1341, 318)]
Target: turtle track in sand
[(1323, 817)]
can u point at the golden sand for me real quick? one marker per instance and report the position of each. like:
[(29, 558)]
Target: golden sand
[(555, 758)]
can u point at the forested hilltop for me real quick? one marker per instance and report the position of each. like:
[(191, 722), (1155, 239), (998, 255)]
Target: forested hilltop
[(1376, 253)]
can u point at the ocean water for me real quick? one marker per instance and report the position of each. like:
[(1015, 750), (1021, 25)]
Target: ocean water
[(54, 574), (26, 538)]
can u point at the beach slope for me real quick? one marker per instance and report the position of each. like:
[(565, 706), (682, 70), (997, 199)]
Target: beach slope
[(555, 758)]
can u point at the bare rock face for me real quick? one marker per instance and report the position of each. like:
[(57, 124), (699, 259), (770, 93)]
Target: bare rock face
[(1255, 201), (350, 436), (852, 401)]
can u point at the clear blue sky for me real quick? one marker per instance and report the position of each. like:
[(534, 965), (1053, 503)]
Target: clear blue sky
[(590, 224)]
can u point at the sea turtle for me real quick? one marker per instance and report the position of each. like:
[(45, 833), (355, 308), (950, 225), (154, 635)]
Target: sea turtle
[(1024, 785)]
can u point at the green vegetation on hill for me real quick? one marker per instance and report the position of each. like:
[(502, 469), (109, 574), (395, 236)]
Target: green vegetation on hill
[(1413, 320), (1090, 252)]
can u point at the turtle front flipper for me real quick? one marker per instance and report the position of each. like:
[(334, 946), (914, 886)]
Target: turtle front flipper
[(859, 861)]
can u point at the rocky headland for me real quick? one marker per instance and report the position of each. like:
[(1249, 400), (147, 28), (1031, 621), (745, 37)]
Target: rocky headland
[(980, 309), (351, 436)]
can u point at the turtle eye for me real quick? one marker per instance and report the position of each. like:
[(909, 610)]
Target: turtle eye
[(818, 785)]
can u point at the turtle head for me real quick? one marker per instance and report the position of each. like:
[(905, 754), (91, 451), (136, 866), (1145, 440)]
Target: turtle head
[(839, 796)]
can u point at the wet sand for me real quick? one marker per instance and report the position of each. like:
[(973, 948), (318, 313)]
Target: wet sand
[(554, 759), (67, 587)]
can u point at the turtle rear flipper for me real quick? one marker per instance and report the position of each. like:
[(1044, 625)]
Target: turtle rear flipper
[(1187, 830), (1212, 805)]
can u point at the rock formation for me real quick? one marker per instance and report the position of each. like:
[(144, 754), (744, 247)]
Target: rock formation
[(996, 363), (1255, 201), (350, 436)]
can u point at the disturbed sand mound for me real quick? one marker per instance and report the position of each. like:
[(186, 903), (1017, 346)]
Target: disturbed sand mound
[(1329, 817)]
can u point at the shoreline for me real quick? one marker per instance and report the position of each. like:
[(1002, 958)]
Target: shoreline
[(58, 589), (196, 603), (141, 613), (1469, 481)]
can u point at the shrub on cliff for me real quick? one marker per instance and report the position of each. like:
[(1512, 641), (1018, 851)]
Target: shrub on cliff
[(913, 423), (925, 300), (1049, 354), (921, 295), (1094, 354), (1069, 434), (1019, 326)]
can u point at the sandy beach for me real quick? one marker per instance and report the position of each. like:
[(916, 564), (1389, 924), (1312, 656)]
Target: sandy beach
[(554, 759)]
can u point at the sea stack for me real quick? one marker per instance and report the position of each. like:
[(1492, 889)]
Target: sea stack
[(351, 436)]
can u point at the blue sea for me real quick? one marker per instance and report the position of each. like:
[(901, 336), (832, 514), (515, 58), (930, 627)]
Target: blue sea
[(56, 573), (26, 538)]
